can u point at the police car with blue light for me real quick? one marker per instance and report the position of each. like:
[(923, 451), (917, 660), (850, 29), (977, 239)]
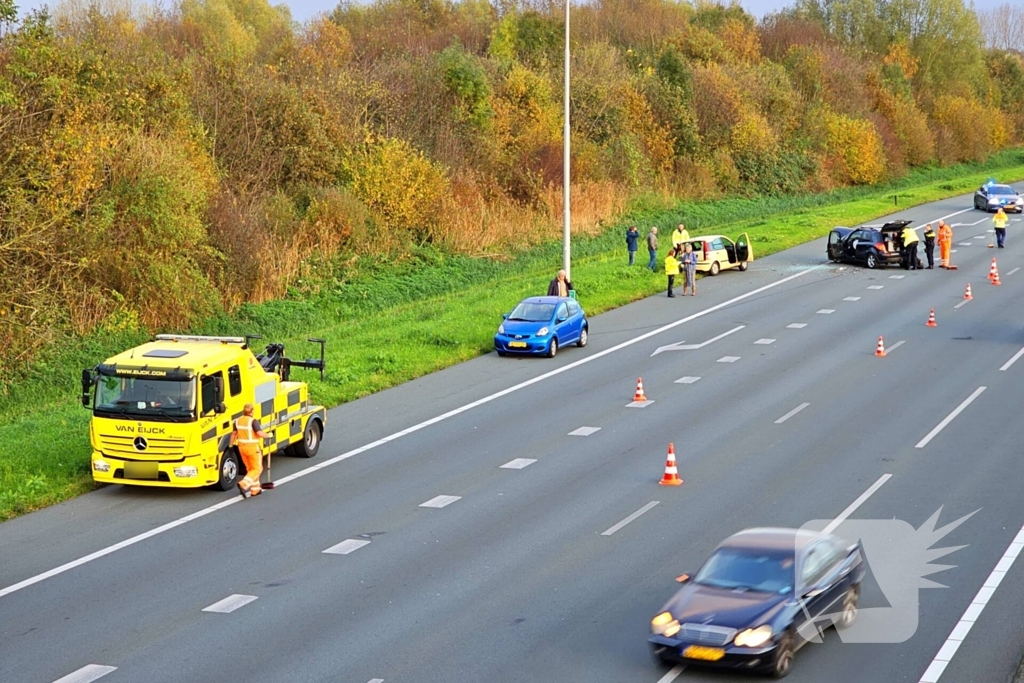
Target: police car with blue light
[(992, 196)]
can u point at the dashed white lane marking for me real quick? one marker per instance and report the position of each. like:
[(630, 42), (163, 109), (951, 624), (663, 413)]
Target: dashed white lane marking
[(791, 413), (584, 431), (1007, 364), (952, 251), (826, 311), (979, 237), (87, 674), (1012, 271), (639, 404), (233, 500), (876, 286), (852, 298), (672, 675), (728, 359), (962, 303), (376, 680), (687, 380), (517, 464), (974, 610), (852, 507), (627, 520), (964, 244), (680, 346), (949, 418), (230, 604), (345, 547), (796, 326), (765, 341), (895, 346), (440, 501), (896, 277)]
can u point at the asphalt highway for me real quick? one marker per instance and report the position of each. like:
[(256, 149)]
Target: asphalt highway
[(550, 570)]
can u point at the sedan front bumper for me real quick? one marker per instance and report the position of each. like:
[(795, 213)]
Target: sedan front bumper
[(746, 658)]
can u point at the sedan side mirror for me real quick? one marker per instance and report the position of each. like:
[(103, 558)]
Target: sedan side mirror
[(682, 578)]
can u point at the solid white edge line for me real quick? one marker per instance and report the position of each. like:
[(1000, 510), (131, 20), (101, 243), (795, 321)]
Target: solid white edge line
[(1007, 364), (627, 520), (415, 428), (852, 507), (791, 413), (971, 614), (949, 418), (87, 674)]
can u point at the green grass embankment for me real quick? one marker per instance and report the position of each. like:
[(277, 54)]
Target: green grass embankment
[(386, 325)]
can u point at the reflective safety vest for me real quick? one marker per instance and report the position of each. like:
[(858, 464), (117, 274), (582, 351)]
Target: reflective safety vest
[(245, 434), (999, 220), (909, 237), (671, 265)]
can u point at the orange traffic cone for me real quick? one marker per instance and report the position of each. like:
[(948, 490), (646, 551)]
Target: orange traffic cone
[(880, 349), (639, 396), (995, 280), (671, 477), (967, 294), (931, 319), (993, 270)]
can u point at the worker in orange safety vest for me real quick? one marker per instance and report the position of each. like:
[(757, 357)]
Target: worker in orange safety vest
[(945, 244), (248, 436)]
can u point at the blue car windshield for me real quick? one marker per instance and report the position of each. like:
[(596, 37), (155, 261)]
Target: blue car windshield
[(1001, 190), (751, 569), (533, 313)]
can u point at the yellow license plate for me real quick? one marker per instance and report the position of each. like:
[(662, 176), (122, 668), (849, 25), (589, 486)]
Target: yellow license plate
[(517, 345), (708, 654), (141, 470)]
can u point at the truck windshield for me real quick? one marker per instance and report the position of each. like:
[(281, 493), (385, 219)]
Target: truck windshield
[(145, 396)]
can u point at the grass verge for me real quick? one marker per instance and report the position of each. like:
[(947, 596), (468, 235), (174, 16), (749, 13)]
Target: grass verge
[(387, 323)]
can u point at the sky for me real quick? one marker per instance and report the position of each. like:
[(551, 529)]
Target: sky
[(306, 9)]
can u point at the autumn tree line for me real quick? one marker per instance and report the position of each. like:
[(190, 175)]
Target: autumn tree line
[(158, 166)]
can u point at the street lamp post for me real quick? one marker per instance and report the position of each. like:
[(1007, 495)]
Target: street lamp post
[(566, 213)]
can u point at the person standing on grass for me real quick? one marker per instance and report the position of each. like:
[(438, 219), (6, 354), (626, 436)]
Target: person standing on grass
[(652, 249), (671, 269), (632, 236), (690, 269), (679, 235), (560, 286)]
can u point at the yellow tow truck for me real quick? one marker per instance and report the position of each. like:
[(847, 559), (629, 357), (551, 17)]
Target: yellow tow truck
[(163, 412)]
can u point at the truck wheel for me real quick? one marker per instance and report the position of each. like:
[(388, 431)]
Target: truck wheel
[(310, 443), (228, 469)]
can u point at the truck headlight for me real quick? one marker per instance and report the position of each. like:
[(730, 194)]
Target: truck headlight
[(753, 637), (186, 471), (665, 625), (101, 465)]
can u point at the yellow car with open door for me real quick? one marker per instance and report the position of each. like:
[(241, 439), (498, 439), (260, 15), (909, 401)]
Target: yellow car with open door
[(716, 253)]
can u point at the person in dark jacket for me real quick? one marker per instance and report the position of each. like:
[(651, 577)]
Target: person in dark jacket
[(652, 248), (929, 245), (631, 239), (560, 286)]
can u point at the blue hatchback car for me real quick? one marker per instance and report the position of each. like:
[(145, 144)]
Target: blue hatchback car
[(540, 325)]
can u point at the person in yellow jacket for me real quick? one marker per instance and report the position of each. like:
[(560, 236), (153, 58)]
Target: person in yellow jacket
[(248, 436), (672, 269), (999, 221), (910, 241), (679, 235), (945, 243)]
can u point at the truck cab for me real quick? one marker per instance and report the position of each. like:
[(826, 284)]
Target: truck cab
[(163, 412)]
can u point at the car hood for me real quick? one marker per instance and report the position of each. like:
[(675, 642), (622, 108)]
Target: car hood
[(524, 327), (723, 607)]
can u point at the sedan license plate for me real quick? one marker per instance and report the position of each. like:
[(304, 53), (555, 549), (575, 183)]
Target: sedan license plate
[(141, 470), (707, 654), (517, 345)]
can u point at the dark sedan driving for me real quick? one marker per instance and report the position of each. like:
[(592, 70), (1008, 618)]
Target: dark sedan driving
[(749, 605)]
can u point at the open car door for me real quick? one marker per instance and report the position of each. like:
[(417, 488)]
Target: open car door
[(744, 252)]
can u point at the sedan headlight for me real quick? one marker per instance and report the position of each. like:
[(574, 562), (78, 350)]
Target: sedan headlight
[(187, 471), (753, 637), (542, 331), (665, 625), (101, 465), (501, 328), (993, 200)]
